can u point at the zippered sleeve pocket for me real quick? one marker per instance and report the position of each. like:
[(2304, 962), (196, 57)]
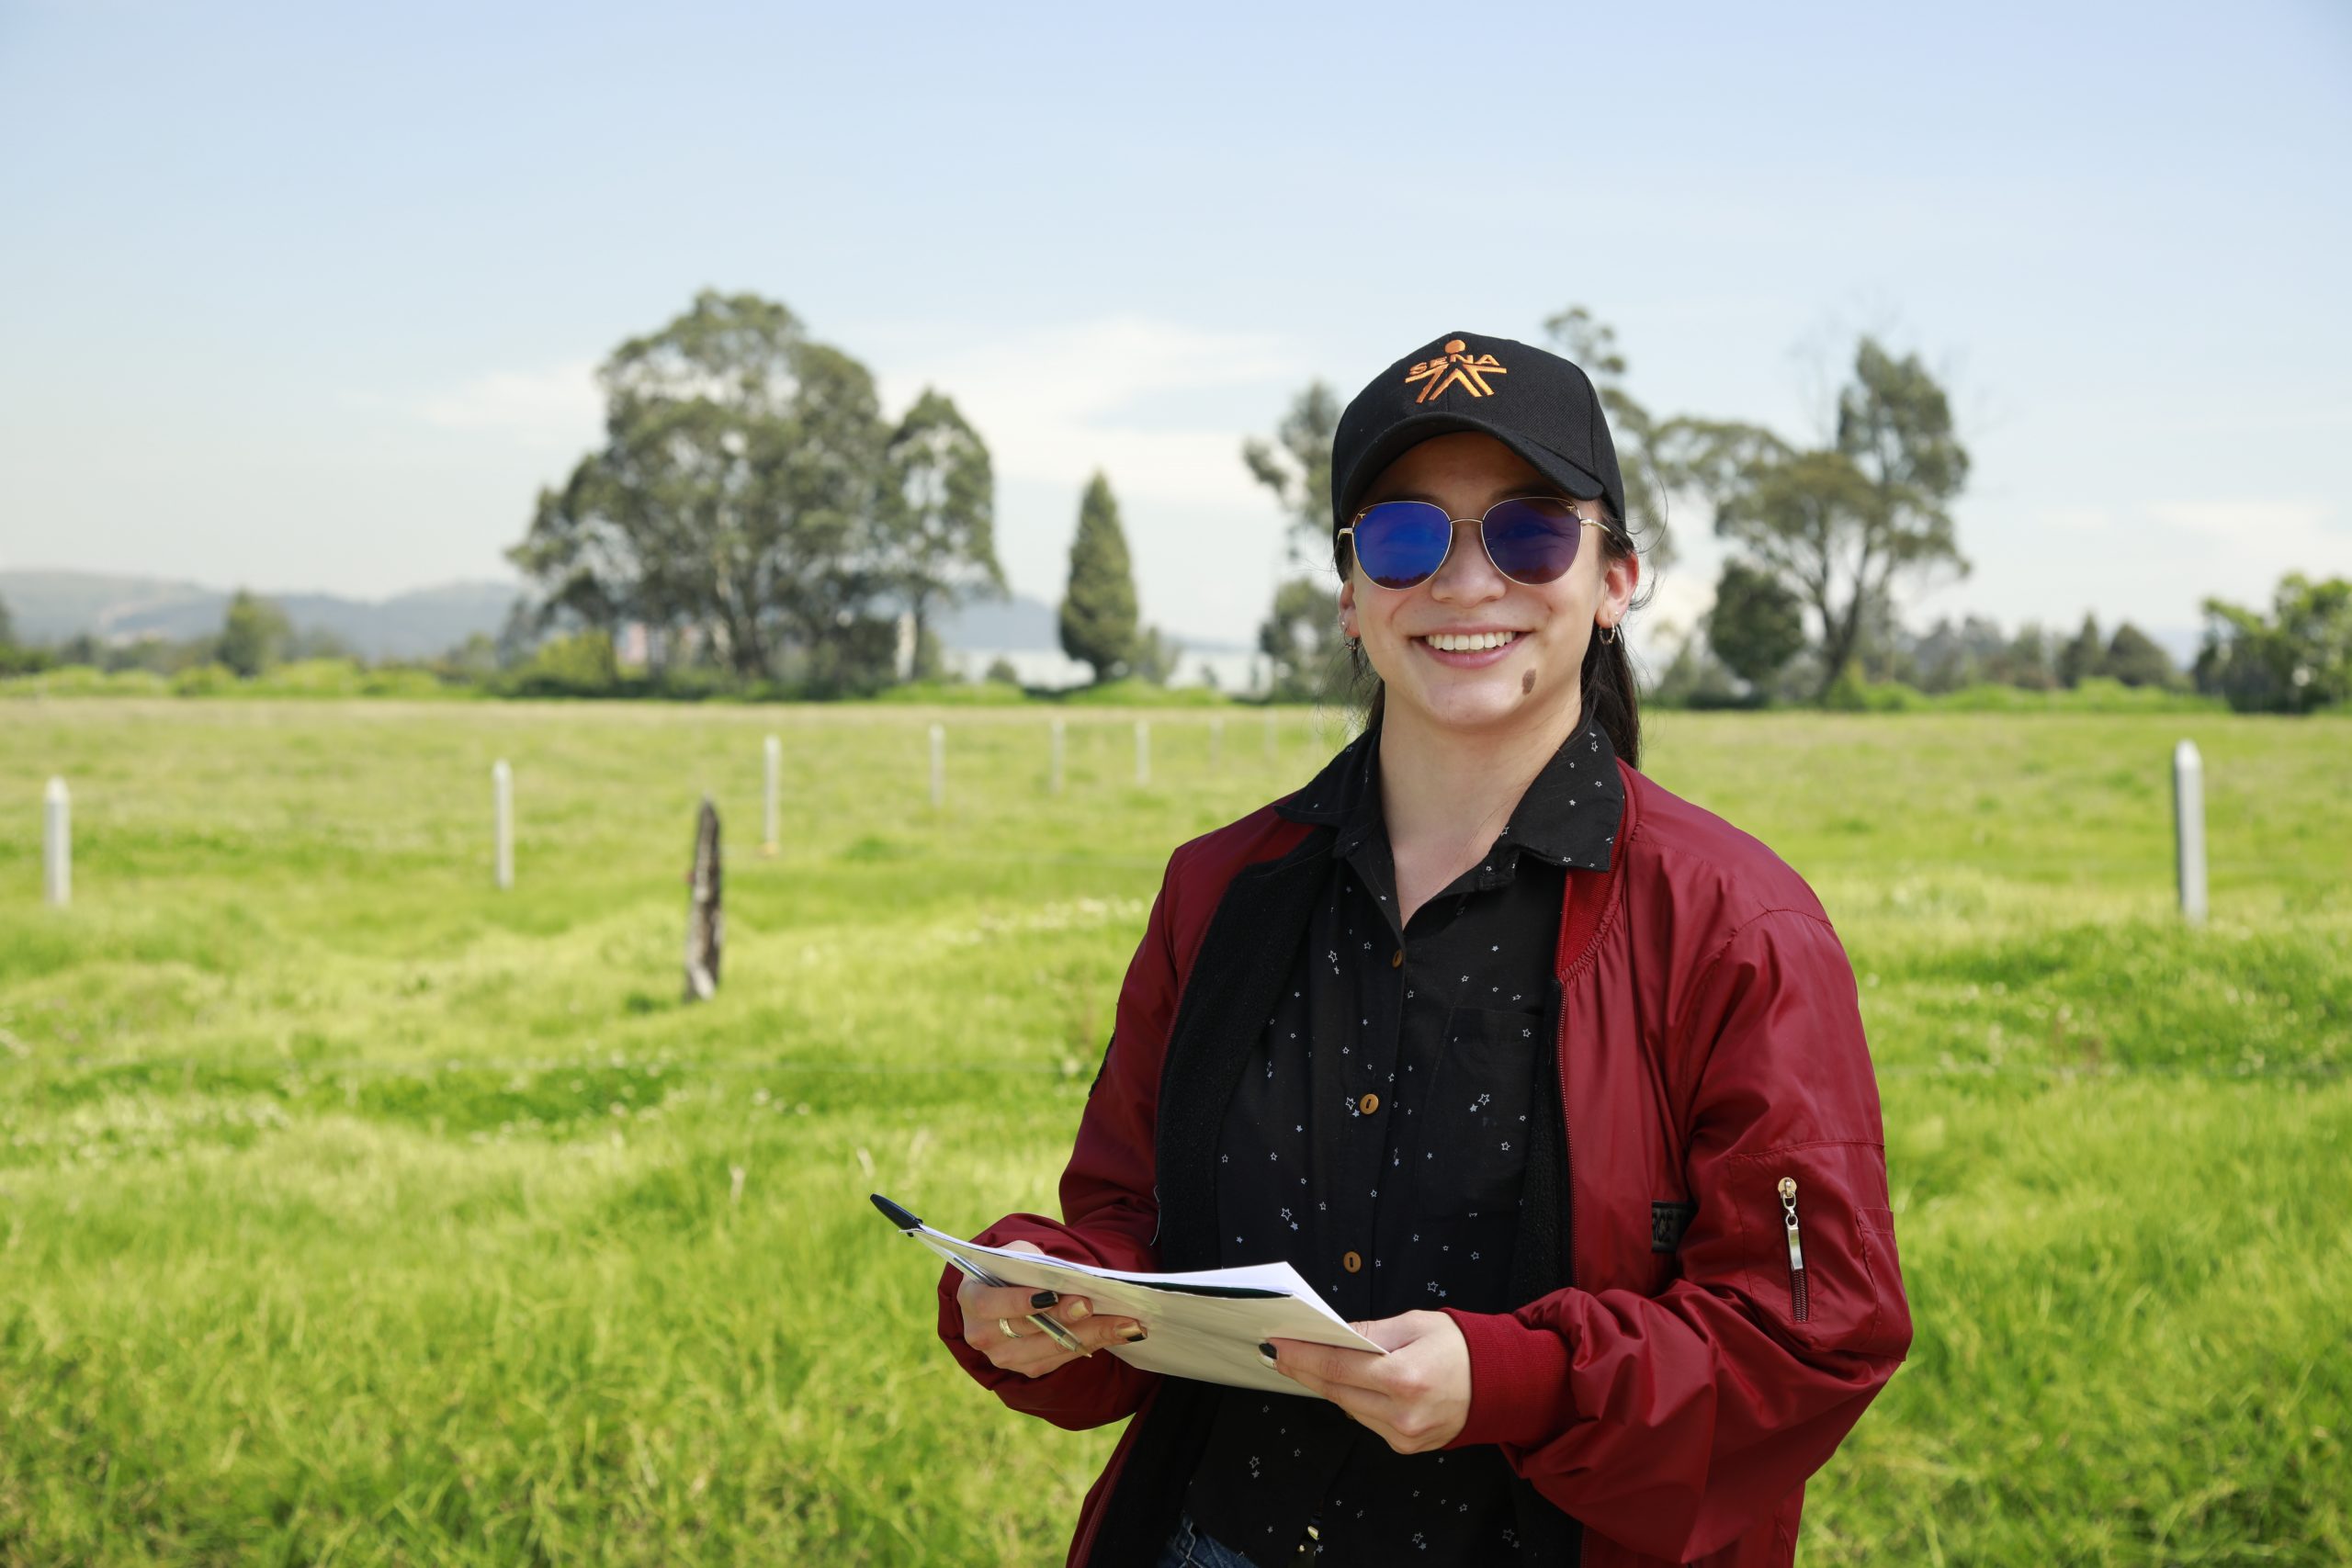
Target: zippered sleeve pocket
[(1797, 1250), (1814, 1264)]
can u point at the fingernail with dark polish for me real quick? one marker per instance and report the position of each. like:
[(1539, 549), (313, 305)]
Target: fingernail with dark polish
[(1135, 1335), (1266, 1352), (1044, 1299)]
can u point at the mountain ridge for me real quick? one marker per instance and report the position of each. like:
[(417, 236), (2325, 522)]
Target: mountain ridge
[(51, 606)]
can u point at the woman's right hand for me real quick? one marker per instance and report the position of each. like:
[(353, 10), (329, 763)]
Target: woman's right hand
[(1030, 1351)]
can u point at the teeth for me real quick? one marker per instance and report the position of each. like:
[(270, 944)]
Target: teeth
[(1451, 644)]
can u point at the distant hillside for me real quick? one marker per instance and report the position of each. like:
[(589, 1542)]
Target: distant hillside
[(50, 606)]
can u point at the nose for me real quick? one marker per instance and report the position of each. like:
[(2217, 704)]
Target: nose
[(1467, 576)]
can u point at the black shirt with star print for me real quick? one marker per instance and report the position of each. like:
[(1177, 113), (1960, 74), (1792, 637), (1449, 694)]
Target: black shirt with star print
[(1378, 1141)]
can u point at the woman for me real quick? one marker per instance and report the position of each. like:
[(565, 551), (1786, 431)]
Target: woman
[(1551, 1082)]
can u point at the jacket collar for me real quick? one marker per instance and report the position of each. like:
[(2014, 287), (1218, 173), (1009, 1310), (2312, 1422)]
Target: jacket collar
[(1569, 815)]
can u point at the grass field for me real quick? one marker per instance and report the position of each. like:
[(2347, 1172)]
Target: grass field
[(353, 1211)]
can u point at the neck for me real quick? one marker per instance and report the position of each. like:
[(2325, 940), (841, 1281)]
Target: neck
[(1445, 786)]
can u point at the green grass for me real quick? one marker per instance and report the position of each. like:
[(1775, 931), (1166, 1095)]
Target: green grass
[(353, 1212)]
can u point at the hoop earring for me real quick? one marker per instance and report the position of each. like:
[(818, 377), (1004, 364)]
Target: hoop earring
[(1608, 634)]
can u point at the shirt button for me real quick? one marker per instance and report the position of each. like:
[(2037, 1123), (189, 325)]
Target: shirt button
[(1368, 1104), (1352, 1262), (1396, 959)]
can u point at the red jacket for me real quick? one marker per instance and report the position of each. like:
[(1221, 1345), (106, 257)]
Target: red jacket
[(1673, 1399)]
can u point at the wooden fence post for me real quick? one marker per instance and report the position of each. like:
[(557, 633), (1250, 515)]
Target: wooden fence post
[(705, 923)]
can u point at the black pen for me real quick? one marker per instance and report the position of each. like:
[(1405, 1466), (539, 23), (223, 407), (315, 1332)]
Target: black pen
[(1062, 1336), (906, 1222)]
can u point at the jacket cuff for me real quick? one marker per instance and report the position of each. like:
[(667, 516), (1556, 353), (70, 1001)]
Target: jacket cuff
[(1518, 1380)]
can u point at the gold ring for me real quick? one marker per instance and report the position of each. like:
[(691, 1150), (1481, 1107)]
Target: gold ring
[(1005, 1328)]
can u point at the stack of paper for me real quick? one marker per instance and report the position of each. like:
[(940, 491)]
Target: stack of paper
[(1205, 1325)]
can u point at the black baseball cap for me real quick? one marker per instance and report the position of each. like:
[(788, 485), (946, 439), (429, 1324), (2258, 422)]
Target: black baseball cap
[(1541, 406)]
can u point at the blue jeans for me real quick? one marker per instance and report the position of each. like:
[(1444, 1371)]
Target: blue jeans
[(1188, 1547)]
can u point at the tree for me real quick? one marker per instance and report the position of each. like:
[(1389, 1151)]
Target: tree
[(939, 532), (473, 662), (1301, 641), (1157, 655), (1839, 525), (2137, 659), (15, 659), (2026, 663), (1098, 611), (579, 664), (318, 642), (253, 634), (736, 494), (1591, 344), (1296, 465), (2084, 654), (1300, 635), (1696, 678), (1757, 625), (2298, 660)]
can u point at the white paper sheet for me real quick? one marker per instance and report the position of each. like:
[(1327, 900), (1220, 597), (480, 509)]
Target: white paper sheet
[(1205, 1325)]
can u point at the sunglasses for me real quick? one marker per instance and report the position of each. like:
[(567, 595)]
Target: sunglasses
[(1531, 539)]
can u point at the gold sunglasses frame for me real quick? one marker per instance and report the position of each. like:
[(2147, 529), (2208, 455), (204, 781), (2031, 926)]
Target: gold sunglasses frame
[(1347, 534)]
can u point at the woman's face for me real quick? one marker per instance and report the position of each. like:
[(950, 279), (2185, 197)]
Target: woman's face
[(1551, 623)]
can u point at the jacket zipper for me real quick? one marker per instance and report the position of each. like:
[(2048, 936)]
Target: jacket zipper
[(1796, 1248)]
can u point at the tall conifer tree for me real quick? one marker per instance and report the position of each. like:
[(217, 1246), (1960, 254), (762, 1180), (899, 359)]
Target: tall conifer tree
[(1098, 616)]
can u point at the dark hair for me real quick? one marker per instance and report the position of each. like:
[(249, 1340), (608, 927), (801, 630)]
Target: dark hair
[(1606, 682)]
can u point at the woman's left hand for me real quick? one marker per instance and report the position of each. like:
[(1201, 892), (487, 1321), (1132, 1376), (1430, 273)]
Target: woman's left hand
[(1416, 1397)]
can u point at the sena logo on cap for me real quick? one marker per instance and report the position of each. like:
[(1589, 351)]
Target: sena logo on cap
[(1458, 367)]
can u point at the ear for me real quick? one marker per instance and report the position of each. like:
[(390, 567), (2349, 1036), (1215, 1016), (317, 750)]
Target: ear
[(1617, 585), (1348, 607)]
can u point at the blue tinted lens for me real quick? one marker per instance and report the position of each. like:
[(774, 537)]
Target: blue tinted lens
[(1401, 543), (1533, 540)]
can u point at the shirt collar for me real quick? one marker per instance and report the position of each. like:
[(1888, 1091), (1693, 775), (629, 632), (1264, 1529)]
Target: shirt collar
[(1568, 815)]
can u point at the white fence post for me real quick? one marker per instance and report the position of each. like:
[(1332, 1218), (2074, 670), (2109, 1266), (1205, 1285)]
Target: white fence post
[(938, 766), (1057, 783), (57, 844), (2188, 829), (1143, 752), (775, 751), (502, 832)]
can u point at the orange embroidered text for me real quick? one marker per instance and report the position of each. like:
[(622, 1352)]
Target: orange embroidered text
[(1456, 367)]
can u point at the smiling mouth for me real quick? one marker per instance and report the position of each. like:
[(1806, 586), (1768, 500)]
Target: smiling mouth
[(1449, 643)]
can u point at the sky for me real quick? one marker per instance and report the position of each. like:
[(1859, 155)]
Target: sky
[(309, 297)]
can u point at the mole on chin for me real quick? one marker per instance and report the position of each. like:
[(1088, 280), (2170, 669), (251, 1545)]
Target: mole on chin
[(1526, 681)]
